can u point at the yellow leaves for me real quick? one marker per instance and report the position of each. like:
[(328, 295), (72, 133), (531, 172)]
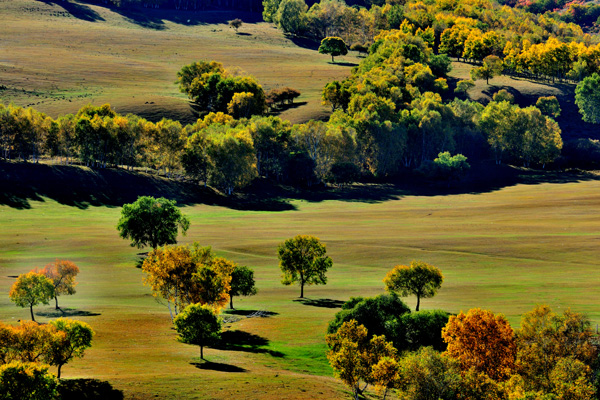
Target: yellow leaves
[(483, 341)]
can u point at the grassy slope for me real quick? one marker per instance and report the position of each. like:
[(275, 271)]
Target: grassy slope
[(505, 250), (60, 56)]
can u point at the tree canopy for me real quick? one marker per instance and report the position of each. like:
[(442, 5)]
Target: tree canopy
[(304, 259), (587, 98), (153, 222), (420, 279), (198, 324), (242, 283), (27, 381), (333, 46), (30, 290), (62, 273), (70, 340)]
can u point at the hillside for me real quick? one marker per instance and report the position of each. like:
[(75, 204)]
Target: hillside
[(72, 54)]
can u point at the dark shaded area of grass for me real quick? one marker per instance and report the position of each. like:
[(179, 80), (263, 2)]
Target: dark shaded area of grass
[(218, 367), (88, 389), (66, 312), (81, 187), (236, 340), (77, 10), (250, 312), (324, 303)]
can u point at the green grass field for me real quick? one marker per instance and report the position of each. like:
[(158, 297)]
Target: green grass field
[(505, 250)]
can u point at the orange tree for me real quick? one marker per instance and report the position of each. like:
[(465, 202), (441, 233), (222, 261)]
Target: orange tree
[(483, 342), (62, 273)]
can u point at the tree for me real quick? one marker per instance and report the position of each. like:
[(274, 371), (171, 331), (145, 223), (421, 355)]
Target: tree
[(427, 375), (463, 86), (481, 341), (503, 95), (547, 340), (270, 10), (62, 273), (30, 290), (304, 259), (242, 283), (243, 105), (587, 98), (420, 279), (492, 66), (352, 356), (235, 24), (27, 381), (198, 324), (377, 314), (150, 221), (334, 46), (69, 341), (291, 16), (548, 106)]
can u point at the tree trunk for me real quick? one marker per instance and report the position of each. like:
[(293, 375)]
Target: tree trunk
[(332, 59), (302, 289), (56, 300), (202, 352), (59, 367), (231, 302), (418, 303), (31, 310)]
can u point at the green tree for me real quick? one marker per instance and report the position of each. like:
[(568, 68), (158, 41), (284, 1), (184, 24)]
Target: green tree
[(337, 95), (62, 273), (291, 16), (549, 106), (492, 66), (378, 314), (587, 98), (334, 46), (446, 166), (420, 279), (153, 222), (27, 381), (69, 341), (30, 290), (270, 8), (242, 283), (304, 259), (198, 324), (503, 95), (463, 86)]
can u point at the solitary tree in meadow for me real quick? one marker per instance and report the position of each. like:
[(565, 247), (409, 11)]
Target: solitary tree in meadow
[(30, 290), (198, 324), (304, 259), (242, 283), (62, 273), (151, 221), (421, 279), (492, 66), (334, 46), (235, 24)]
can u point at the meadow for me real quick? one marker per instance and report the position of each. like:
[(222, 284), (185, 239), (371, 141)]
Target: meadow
[(505, 250), (501, 247)]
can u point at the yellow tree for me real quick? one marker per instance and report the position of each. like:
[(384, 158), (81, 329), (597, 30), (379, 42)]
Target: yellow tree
[(352, 356), (420, 279), (482, 341), (30, 290)]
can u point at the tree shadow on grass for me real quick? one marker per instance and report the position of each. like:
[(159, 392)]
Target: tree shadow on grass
[(77, 10), (213, 366), (343, 64), (236, 340), (258, 313), (324, 303), (66, 312), (88, 389)]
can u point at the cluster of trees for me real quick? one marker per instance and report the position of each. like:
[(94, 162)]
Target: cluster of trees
[(28, 349), (472, 356), (213, 88), (39, 287)]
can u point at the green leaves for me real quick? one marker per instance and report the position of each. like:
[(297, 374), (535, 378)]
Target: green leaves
[(587, 98), (420, 279), (198, 324), (303, 259), (151, 221), (31, 289)]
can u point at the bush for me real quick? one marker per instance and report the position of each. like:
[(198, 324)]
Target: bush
[(27, 381)]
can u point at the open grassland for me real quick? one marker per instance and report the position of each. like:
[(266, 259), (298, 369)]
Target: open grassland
[(505, 250), (57, 56)]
